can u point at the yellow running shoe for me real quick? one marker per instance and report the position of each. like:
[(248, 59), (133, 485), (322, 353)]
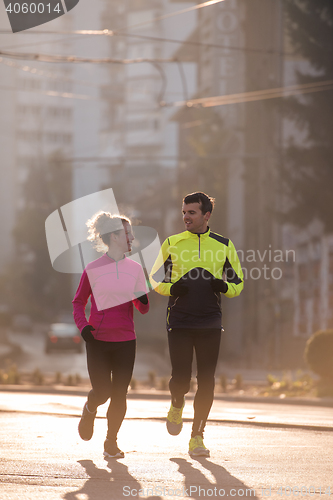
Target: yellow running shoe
[(197, 447), (174, 420)]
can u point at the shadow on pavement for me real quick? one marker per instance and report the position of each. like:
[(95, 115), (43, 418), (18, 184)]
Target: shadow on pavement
[(104, 485), (198, 486)]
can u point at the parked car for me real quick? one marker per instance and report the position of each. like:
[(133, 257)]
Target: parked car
[(63, 336)]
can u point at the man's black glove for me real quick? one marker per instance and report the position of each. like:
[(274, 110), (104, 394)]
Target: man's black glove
[(86, 333), (219, 286), (142, 296), (179, 289)]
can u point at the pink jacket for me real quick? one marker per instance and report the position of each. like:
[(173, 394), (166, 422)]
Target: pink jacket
[(112, 286)]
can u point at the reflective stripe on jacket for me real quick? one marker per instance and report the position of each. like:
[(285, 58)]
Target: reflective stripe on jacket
[(197, 258)]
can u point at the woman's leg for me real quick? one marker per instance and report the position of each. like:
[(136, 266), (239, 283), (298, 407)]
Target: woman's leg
[(99, 369), (122, 362)]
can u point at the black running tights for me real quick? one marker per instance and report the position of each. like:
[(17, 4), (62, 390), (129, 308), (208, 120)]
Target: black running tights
[(110, 367), (206, 344)]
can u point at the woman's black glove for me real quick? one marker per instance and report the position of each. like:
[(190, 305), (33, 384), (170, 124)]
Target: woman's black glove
[(86, 333), (219, 286), (179, 289), (142, 296)]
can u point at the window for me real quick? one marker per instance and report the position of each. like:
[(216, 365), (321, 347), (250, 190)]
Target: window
[(26, 110), (58, 138), (59, 112)]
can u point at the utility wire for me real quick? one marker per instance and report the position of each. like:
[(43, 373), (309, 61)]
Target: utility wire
[(257, 95), (74, 59), (171, 14), (51, 42), (183, 79), (55, 76), (139, 25), (117, 33), (48, 74), (51, 93), (119, 159), (163, 76), (203, 44)]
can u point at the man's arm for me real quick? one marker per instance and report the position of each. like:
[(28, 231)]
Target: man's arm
[(233, 271), (160, 276), (141, 301)]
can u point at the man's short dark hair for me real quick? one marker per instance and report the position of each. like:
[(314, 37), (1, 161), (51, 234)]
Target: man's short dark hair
[(206, 202)]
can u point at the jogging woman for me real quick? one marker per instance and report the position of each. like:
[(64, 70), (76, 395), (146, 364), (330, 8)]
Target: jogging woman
[(114, 283)]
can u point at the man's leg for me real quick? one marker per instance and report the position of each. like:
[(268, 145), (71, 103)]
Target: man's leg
[(207, 345), (181, 357)]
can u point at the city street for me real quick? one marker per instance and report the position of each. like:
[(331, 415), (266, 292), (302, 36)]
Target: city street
[(44, 458), (180, 150)]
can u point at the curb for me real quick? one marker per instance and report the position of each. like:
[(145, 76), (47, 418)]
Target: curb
[(164, 395)]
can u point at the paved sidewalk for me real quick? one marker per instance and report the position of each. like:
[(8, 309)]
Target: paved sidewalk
[(164, 395), (140, 407)]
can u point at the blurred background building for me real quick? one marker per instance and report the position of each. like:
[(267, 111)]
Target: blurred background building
[(158, 129)]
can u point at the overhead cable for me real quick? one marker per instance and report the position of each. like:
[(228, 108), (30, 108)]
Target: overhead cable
[(172, 14), (110, 33), (49, 58), (257, 95), (64, 78), (51, 93)]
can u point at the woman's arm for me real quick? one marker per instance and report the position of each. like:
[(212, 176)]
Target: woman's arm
[(80, 300)]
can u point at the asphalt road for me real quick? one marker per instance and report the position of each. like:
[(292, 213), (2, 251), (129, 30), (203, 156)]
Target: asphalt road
[(42, 456)]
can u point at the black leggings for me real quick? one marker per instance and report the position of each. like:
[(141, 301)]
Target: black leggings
[(206, 344), (106, 360)]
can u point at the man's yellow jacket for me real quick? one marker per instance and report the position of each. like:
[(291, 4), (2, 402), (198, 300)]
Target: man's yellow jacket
[(197, 259)]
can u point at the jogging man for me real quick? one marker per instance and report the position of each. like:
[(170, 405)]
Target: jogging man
[(194, 268)]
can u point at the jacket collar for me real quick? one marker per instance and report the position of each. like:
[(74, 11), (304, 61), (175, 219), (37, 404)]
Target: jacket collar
[(205, 235)]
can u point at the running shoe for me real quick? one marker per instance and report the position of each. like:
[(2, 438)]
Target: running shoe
[(86, 424), (197, 447), (174, 420), (111, 449)]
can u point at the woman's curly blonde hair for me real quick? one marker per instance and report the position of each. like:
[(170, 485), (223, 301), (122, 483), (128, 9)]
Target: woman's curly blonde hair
[(101, 225)]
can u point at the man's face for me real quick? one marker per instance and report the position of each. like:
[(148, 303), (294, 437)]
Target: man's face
[(195, 221)]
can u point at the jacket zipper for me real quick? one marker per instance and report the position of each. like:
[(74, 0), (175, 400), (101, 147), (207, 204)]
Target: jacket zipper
[(199, 246), (117, 270)]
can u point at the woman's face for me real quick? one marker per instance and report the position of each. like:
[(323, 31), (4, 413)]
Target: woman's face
[(125, 238)]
